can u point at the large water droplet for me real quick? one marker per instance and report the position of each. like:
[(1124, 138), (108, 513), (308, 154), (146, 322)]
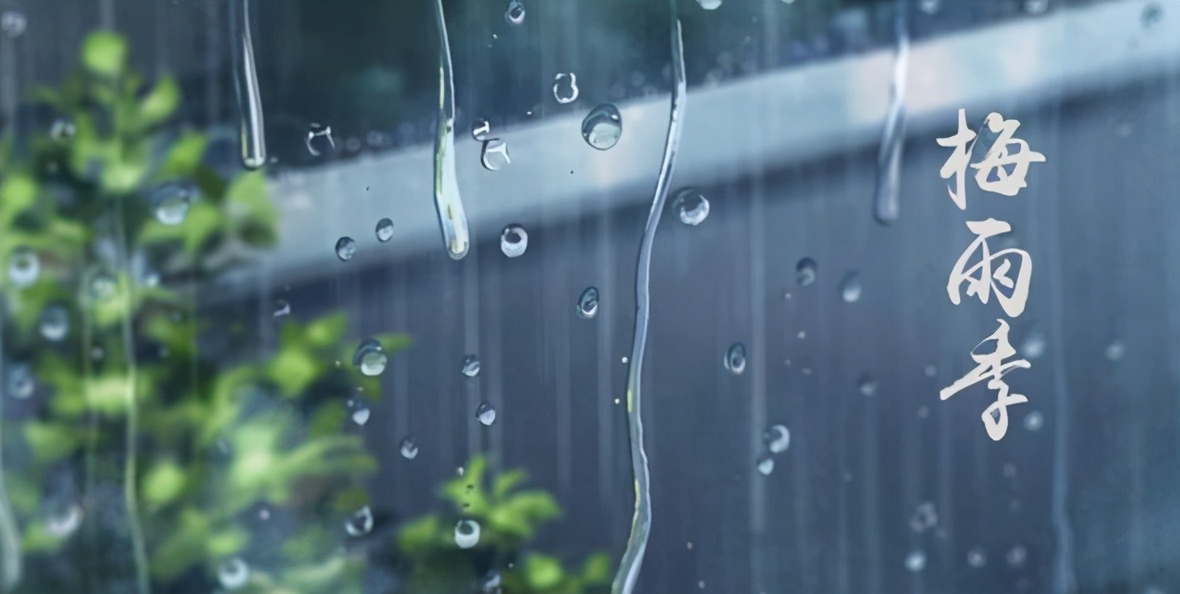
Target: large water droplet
[(495, 154), (467, 533), (1115, 351), (515, 13), (282, 308), (602, 127), (565, 87), (777, 439), (1017, 555), (384, 230), (709, 4), (867, 386), (976, 557), (171, 202), (359, 523), (319, 139), (514, 240), (1036, 6), (588, 303), (765, 464), (13, 23), (735, 358), (480, 129), (370, 358), (470, 366), (806, 272), (850, 288), (486, 414), (64, 521), (360, 412), (690, 206), (54, 323), (345, 248), (1033, 421), (925, 517), (233, 573), (24, 266), (915, 561), (20, 381), (409, 448)]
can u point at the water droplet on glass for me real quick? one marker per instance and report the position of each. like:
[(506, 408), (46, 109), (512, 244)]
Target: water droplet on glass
[(915, 561), (565, 87), (1034, 345), (467, 533), (360, 412), (929, 6), (867, 386), (319, 139), (1033, 421), (691, 206), (976, 557), (709, 4), (515, 13), (359, 523), (54, 323), (13, 23), (1036, 6), (65, 521), (370, 358), (850, 288), (470, 366), (495, 154), (282, 308), (1152, 15), (735, 358), (925, 517), (20, 381), (490, 583), (233, 573), (514, 240), (384, 230), (480, 129), (24, 265), (171, 202), (602, 127), (765, 464), (409, 449), (1017, 555), (806, 272), (777, 439), (62, 130), (345, 248), (486, 414), (1115, 351), (588, 303)]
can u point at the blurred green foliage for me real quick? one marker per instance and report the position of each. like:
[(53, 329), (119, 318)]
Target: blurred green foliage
[(141, 417)]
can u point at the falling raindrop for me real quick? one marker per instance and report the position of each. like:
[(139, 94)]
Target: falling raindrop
[(20, 381), (735, 358), (602, 127), (171, 202), (867, 386), (233, 573), (384, 230), (1034, 345), (24, 265), (448, 203), (486, 414), (282, 308), (565, 87), (64, 522), (370, 358), (62, 130), (925, 517), (1017, 555), (709, 4), (691, 206), (587, 306), (515, 13), (480, 129), (850, 288), (806, 272), (1036, 6), (1115, 351), (1033, 421), (360, 412), (13, 23), (470, 366), (409, 448), (345, 248), (359, 523), (319, 139), (514, 240), (887, 198), (246, 87), (915, 561), (495, 154), (777, 439), (467, 533), (765, 464), (929, 6), (1152, 15), (54, 323)]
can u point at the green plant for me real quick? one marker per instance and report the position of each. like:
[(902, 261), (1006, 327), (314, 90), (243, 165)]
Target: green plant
[(508, 520), (141, 440)]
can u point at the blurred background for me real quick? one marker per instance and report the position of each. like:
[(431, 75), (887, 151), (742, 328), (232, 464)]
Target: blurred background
[(291, 394)]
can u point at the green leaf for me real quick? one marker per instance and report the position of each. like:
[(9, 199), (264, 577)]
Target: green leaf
[(163, 483), (293, 370), (160, 103), (543, 572), (596, 569), (184, 157), (18, 192), (418, 535), (507, 481), (327, 330), (49, 442), (104, 53)]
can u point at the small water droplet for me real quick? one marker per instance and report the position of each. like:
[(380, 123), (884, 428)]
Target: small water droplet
[(777, 439), (62, 130), (1036, 6), (976, 557), (1033, 421), (264, 513), (766, 464), (624, 360), (360, 412), (925, 517), (467, 534), (1017, 555), (360, 522), (565, 87), (514, 240), (319, 139), (495, 154), (709, 4), (20, 381), (929, 6), (587, 306), (345, 248), (170, 202), (486, 414), (924, 412), (1152, 15), (103, 286), (233, 573), (409, 448), (282, 308), (370, 358), (602, 127), (515, 13), (13, 23), (867, 386), (480, 129), (384, 230), (930, 371), (735, 358), (850, 288), (806, 272), (63, 522), (54, 323), (24, 266), (1115, 351), (690, 206), (490, 583), (1034, 345), (470, 366), (915, 561)]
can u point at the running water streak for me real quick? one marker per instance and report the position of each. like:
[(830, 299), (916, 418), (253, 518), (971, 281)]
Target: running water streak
[(632, 560), (246, 86), (886, 200), (447, 201)]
